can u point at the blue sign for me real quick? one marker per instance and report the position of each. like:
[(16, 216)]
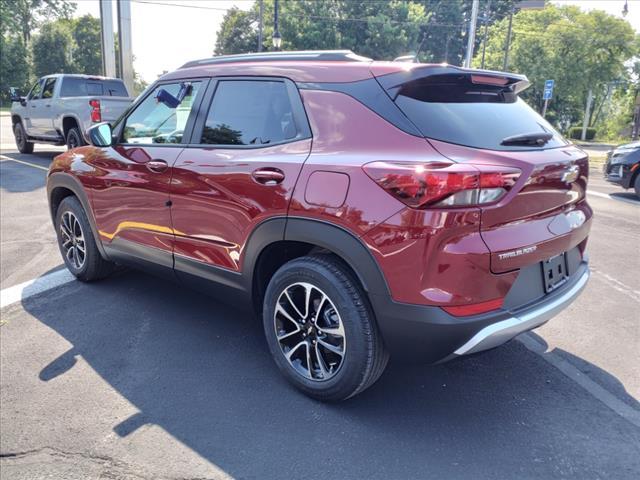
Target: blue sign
[(548, 89)]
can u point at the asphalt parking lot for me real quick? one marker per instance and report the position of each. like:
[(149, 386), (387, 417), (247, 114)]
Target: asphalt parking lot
[(137, 378)]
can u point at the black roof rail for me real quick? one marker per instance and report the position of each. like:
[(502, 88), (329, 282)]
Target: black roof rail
[(309, 55)]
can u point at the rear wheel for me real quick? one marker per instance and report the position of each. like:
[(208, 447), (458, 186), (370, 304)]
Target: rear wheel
[(22, 142), (74, 138), (76, 242), (636, 185), (321, 330)]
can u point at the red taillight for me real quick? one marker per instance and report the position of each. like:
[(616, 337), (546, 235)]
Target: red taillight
[(474, 308), (96, 114), (441, 184)]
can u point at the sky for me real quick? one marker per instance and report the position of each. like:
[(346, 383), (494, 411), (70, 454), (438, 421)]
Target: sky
[(168, 33)]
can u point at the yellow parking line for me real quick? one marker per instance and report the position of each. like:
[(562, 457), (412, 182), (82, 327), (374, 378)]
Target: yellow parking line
[(24, 163)]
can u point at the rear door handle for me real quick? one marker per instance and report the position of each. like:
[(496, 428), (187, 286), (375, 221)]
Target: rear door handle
[(268, 176), (157, 166)]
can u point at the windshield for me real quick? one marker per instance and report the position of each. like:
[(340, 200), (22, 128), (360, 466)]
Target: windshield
[(477, 116)]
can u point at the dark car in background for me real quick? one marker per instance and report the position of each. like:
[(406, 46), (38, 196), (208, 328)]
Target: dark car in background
[(623, 166)]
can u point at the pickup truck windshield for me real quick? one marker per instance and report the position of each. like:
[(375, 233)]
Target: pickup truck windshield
[(92, 87)]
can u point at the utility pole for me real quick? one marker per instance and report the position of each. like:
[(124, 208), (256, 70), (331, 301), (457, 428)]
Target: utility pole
[(587, 112), (124, 39), (472, 33), (260, 25), (108, 46), (508, 41), (486, 27)]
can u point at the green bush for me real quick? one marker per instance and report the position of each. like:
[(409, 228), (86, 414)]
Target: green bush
[(575, 133)]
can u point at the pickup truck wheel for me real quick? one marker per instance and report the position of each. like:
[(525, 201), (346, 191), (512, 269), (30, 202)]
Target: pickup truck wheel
[(321, 330), (24, 146), (76, 243), (74, 138)]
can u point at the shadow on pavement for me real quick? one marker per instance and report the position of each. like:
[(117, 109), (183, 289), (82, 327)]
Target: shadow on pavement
[(628, 197), (17, 177), (201, 371)]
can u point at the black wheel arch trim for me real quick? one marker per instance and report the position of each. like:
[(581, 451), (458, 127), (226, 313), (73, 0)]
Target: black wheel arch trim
[(69, 182)]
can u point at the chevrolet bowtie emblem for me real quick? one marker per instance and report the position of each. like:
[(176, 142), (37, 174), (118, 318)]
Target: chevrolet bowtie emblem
[(571, 175)]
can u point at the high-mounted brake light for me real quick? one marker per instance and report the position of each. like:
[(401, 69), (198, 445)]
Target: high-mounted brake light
[(96, 114), (442, 184)]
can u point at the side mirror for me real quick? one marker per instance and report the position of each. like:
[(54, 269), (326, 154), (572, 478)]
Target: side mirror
[(14, 94), (100, 135)]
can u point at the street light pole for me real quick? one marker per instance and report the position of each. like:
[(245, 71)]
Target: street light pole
[(506, 44), (277, 38), (486, 27), (472, 33), (260, 25)]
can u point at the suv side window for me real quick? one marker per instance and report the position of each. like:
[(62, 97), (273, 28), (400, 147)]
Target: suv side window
[(248, 112), (156, 121), (47, 92), (34, 94)]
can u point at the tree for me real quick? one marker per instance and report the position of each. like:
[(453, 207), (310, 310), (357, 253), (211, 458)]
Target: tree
[(14, 66), (236, 33), (26, 15), (52, 50), (579, 50), (87, 51), (379, 30)]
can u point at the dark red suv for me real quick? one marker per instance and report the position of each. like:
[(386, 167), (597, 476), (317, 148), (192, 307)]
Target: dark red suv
[(364, 208)]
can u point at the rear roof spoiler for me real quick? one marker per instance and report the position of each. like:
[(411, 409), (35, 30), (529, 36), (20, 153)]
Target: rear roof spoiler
[(393, 82)]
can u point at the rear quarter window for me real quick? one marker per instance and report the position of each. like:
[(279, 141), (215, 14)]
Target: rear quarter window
[(83, 87), (472, 115)]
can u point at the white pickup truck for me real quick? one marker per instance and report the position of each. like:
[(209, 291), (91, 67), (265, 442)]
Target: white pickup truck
[(60, 108)]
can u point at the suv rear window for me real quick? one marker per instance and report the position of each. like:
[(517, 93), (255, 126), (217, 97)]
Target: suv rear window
[(85, 87), (480, 116)]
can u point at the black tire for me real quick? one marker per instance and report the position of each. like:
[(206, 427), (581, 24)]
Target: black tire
[(364, 356), (93, 266), (74, 138), (636, 185), (24, 146)]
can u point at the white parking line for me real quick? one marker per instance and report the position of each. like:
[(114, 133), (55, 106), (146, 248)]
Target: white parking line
[(4, 157), (606, 195), (11, 295), (610, 400)]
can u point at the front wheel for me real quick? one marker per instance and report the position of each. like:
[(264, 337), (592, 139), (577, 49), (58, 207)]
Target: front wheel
[(77, 245), (636, 185), (22, 141), (320, 329)]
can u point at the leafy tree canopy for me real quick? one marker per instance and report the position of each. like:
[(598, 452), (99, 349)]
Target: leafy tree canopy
[(579, 50)]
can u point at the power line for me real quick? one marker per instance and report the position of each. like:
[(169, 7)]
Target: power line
[(313, 17)]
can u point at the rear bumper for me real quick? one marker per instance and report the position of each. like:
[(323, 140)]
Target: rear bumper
[(429, 334), (618, 173), (522, 321)]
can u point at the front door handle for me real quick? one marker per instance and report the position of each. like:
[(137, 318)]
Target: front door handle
[(157, 166), (268, 176)]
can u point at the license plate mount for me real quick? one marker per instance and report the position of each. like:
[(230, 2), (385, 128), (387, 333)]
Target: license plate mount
[(554, 272)]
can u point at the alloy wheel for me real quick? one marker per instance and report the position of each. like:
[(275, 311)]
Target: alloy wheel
[(73, 245), (310, 331)]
